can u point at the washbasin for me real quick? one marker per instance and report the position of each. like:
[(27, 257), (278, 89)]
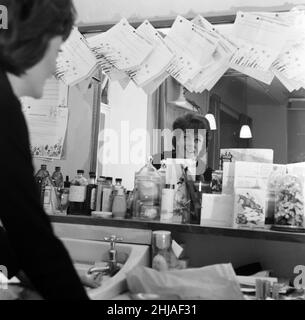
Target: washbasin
[(86, 253)]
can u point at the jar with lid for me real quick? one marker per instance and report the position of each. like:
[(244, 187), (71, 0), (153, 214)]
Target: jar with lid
[(289, 204), (147, 193), (161, 250)]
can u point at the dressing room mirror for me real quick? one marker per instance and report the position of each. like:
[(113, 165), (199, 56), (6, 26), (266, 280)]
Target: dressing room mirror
[(274, 116)]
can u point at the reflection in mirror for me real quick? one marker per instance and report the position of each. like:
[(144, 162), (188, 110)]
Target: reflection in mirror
[(123, 145), (79, 150), (273, 115), (132, 123), (271, 112)]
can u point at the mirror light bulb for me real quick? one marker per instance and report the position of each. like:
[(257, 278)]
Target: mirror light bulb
[(245, 132), (210, 117)]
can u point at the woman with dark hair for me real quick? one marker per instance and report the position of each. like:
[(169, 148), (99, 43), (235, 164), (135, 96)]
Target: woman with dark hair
[(190, 141), (28, 52)]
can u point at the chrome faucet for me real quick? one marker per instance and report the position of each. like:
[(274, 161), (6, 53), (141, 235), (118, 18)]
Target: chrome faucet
[(113, 266)]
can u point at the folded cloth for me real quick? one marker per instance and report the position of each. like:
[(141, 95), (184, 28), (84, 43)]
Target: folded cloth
[(217, 282), (6, 294)]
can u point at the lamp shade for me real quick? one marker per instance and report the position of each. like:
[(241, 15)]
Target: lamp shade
[(210, 117), (245, 132), (182, 101)]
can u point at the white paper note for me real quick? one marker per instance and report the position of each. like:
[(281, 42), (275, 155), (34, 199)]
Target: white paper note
[(260, 40), (156, 64), (76, 62), (47, 119)]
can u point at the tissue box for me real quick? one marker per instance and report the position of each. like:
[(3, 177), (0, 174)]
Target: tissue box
[(249, 208), (217, 210)]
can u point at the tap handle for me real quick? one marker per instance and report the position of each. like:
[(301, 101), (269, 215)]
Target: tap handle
[(113, 240)]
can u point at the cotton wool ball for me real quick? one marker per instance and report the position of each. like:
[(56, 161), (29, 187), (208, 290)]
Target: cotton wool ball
[(159, 263)]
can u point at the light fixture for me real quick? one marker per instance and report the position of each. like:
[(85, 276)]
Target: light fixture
[(245, 132), (212, 121), (245, 121), (182, 101)]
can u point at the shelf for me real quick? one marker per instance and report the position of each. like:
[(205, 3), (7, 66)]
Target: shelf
[(192, 229)]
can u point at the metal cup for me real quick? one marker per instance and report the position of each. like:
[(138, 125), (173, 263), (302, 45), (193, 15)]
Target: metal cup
[(162, 240)]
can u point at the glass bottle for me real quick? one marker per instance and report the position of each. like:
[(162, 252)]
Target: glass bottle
[(42, 172), (101, 182), (58, 178), (90, 202), (107, 195), (119, 207), (64, 200), (58, 182), (118, 185), (77, 194), (41, 181), (129, 213), (147, 193), (50, 195)]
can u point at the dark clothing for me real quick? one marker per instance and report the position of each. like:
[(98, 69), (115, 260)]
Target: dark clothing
[(7, 257), (28, 231), (202, 175)]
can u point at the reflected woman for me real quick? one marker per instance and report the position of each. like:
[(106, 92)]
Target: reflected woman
[(28, 53), (190, 141)]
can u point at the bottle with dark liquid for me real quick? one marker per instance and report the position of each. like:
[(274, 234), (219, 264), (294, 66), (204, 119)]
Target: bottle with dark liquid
[(77, 194), (90, 202)]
